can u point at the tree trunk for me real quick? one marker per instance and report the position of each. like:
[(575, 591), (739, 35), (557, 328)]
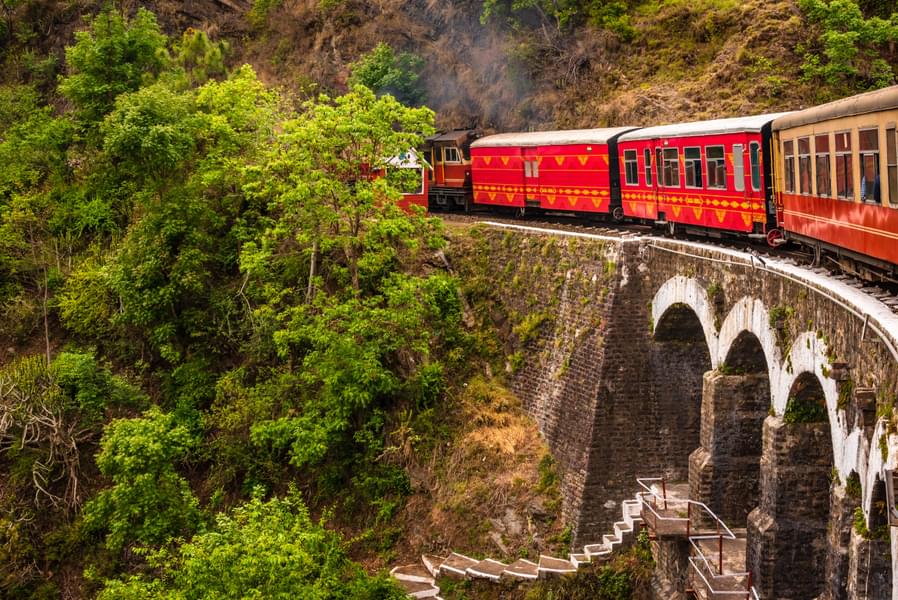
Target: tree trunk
[(312, 268)]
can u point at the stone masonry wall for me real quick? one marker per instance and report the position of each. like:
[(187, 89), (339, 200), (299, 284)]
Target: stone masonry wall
[(614, 402)]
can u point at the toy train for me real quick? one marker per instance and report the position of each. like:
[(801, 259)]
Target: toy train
[(825, 177)]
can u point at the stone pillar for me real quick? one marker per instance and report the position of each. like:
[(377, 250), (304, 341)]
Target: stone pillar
[(869, 569), (841, 516), (787, 532), (724, 471), (671, 572)]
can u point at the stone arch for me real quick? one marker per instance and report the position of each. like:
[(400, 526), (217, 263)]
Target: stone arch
[(678, 358), (686, 291), (808, 356), (746, 354), (750, 316)]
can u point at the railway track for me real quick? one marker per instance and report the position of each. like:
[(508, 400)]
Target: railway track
[(883, 291)]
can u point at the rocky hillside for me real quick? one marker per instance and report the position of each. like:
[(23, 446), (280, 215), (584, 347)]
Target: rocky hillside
[(673, 59)]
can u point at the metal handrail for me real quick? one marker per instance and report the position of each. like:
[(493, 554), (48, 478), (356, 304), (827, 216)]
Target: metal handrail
[(723, 532)]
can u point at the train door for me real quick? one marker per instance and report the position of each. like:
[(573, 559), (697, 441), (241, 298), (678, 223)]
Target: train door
[(531, 161), (658, 182)]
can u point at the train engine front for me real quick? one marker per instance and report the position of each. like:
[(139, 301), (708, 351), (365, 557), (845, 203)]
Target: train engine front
[(449, 154)]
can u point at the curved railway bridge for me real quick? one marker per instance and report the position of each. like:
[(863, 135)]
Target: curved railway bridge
[(769, 387)]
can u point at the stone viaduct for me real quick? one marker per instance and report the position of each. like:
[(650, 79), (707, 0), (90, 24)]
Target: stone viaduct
[(770, 388)]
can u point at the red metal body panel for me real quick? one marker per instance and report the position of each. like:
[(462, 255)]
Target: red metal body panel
[(498, 176), (450, 174), (567, 177), (726, 209), (869, 229)]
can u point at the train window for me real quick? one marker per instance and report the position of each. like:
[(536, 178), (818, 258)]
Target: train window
[(754, 157), (739, 167), (671, 167), (822, 163), (535, 168), (527, 171), (717, 167), (659, 166), (631, 167), (804, 165), (892, 159), (844, 170), (789, 166), (869, 156), (647, 156), (693, 167), (450, 154)]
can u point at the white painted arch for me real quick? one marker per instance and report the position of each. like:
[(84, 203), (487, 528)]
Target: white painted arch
[(808, 354)]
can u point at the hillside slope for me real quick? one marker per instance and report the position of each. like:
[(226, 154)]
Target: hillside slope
[(682, 60)]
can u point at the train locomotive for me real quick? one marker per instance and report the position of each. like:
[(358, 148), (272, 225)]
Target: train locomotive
[(825, 177)]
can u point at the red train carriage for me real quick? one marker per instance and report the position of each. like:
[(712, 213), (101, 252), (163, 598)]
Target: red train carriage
[(837, 180), (450, 159), (708, 176), (568, 171)]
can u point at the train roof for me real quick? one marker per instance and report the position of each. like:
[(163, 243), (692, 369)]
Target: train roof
[(456, 136), (714, 127), (551, 138), (884, 99)]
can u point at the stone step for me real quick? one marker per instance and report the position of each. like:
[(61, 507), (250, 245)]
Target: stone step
[(621, 528), (457, 565), (610, 541), (549, 566), (416, 589), (522, 569), (432, 564), (578, 559), (416, 573), (487, 569), (596, 550)]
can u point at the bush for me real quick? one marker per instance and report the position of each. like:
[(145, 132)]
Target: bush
[(267, 549), (385, 72), (149, 502)]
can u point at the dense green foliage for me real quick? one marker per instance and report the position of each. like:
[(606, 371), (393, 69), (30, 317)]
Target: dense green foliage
[(386, 72), (242, 260), (262, 549), (851, 47), (613, 15)]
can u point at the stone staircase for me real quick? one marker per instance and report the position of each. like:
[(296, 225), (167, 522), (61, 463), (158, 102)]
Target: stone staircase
[(419, 580)]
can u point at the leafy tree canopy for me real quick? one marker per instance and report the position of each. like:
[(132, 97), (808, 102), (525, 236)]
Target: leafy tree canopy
[(386, 72), (114, 56)]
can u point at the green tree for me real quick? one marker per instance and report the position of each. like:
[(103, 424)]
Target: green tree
[(114, 56), (200, 58), (149, 501), (386, 72), (324, 173), (262, 549), (852, 49)]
